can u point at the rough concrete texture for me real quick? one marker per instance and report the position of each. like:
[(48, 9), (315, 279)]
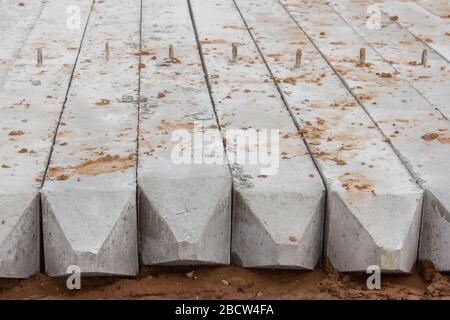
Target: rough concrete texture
[(25, 143), (418, 133), (404, 52), (440, 8), (374, 206), (16, 23), (89, 196), (185, 208), (278, 218), (423, 24)]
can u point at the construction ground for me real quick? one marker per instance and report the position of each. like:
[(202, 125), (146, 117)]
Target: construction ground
[(224, 149)]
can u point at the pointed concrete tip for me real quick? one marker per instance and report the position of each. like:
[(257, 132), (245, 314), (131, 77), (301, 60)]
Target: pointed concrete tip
[(185, 221), (277, 230), (381, 230), (435, 237), (19, 235), (94, 230)]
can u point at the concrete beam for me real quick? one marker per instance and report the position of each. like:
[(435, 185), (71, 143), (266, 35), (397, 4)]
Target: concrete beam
[(373, 218), (277, 217), (89, 195), (31, 100), (185, 207), (16, 23), (404, 53), (418, 133), (430, 29)]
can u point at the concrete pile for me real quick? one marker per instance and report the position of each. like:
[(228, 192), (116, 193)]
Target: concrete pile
[(268, 134)]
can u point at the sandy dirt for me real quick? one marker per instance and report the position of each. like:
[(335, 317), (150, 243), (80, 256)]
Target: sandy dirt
[(234, 283)]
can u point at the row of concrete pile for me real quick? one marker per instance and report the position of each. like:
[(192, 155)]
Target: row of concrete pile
[(264, 133)]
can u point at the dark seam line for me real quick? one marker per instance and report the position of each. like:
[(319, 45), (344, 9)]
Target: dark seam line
[(138, 135)]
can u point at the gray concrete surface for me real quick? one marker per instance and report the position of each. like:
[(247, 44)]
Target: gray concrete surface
[(16, 23), (31, 101), (89, 195), (440, 8), (185, 206), (418, 133), (429, 28), (404, 52), (277, 217), (374, 205), (113, 139)]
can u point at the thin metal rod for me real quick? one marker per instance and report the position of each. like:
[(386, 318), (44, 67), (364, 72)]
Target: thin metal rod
[(107, 53), (298, 58), (171, 53), (362, 57), (40, 61), (234, 52), (425, 58)]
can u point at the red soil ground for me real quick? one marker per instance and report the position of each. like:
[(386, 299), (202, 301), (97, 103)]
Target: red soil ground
[(234, 283)]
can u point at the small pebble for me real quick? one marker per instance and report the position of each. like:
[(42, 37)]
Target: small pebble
[(190, 275)]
